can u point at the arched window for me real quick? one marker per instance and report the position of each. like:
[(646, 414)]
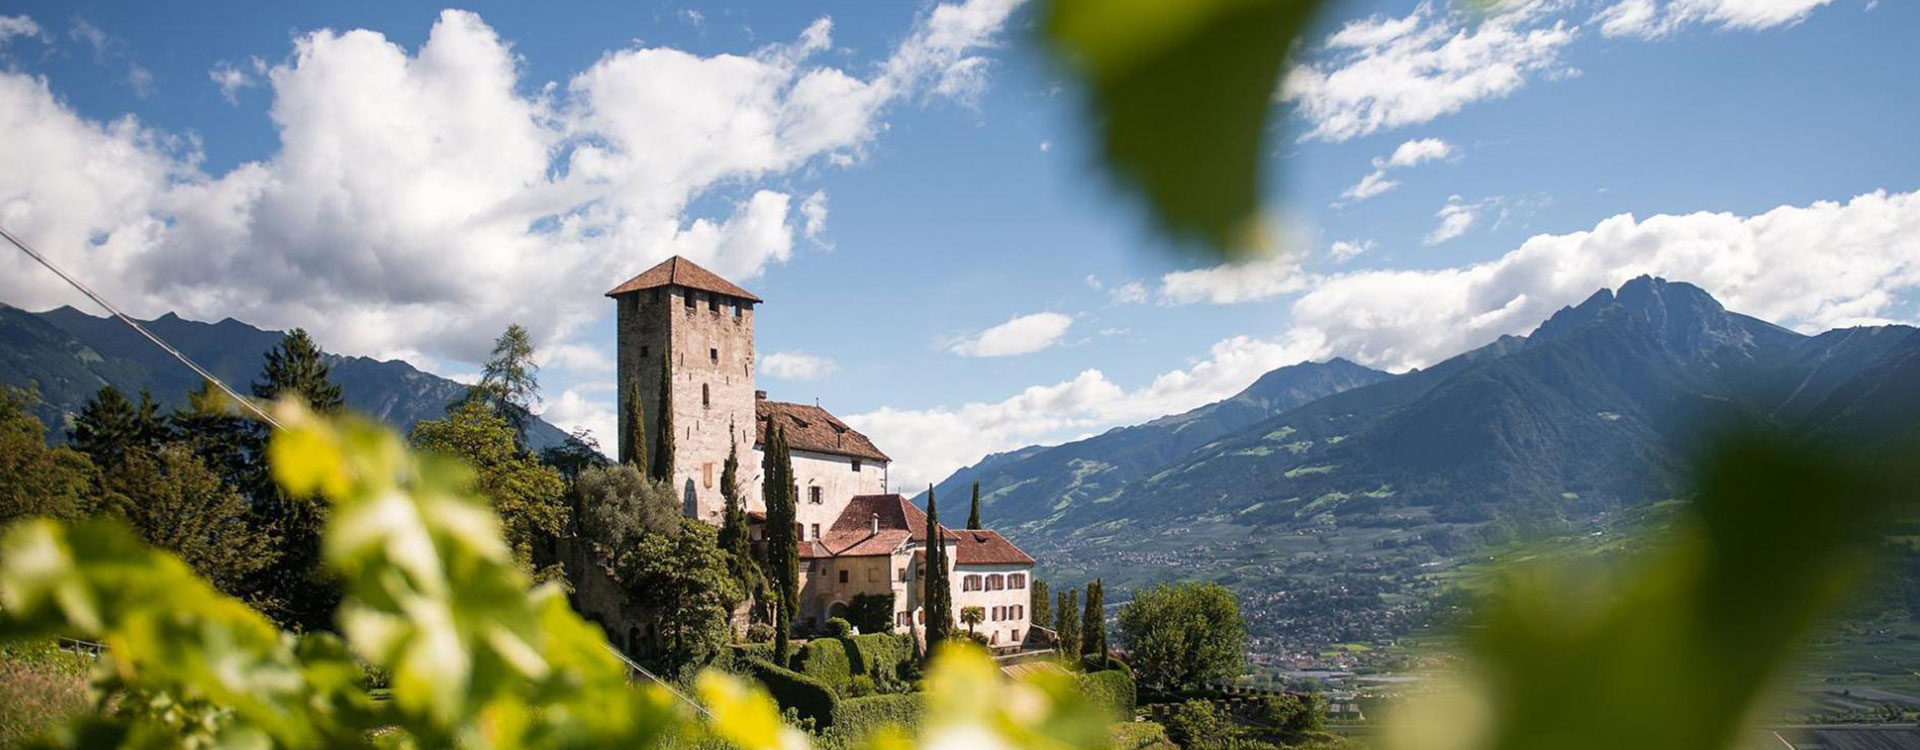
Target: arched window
[(692, 503)]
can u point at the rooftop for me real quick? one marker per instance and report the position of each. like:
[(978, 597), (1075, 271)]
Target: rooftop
[(678, 271), (811, 428)]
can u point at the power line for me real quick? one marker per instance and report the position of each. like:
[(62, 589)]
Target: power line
[(135, 325), (255, 408)]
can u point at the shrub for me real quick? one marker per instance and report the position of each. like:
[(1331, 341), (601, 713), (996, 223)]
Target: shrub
[(860, 686), (882, 655), (760, 632), (856, 719), (825, 659), (1110, 688), (838, 627), (1141, 735), (1295, 714), (1193, 722), (806, 697)]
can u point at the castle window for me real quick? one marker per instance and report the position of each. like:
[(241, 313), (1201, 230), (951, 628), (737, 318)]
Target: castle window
[(643, 352), (713, 355), (813, 495), (843, 576), (706, 472), (738, 309), (856, 465), (816, 531), (713, 303), (705, 397), (688, 298)]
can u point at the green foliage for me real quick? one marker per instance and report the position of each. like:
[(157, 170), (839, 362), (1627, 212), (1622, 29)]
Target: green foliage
[(871, 613), (783, 547), (1039, 603), (1678, 647), (618, 505), (1294, 715), (579, 452), (936, 585), (760, 632), (40, 688), (857, 721), (1140, 735), (734, 540), (527, 494), (1183, 634), (1181, 94), (1093, 625), (680, 577), (883, 656), (663, 457), (838, 627), (973, 516), (1066, 623), (807, 696), (435, 602), (298, 366), (1110, 689), (36, 480), (174, 502), (297, 589), (827, 660), (633, 428), (972, 616), (509, 382), (109, 428), (1196, 722)]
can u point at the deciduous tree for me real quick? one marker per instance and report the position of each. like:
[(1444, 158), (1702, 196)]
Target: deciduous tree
[(36, 480), (1184, 634), (528, 495), (174, 502)]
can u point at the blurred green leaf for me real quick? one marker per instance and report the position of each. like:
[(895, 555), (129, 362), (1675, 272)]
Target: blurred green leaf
[(1181, 93)]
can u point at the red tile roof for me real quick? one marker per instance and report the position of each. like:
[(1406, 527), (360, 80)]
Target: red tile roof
[(982, 547), (811, 428), (678, 271)]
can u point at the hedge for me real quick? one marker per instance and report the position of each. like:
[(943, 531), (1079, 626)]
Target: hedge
[(857, 718), (1111, 688), (808, 696), (881, 654), (763, 652), (1141, 735), (827, 660)]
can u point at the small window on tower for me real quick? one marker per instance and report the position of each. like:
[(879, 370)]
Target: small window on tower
[(739, 309), (713, 303), (713, 355), (705, 398), (843, 576), (689, 298), (813, 495), (815, 531), (856, 465), (643, 352)]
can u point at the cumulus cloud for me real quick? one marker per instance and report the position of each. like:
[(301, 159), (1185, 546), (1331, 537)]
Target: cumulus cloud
[(1130, 293), (231, 78), (12, 26), (573, 410), (1649, 19), (1233, 283), (1023, 334), (1346, 250), (1814, 267), (420, 201), (1386, 72), (1408, 154), (1456, 217), (796, 365), (814, 209)]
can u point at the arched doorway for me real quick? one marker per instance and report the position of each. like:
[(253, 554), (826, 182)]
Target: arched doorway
[(692, 503)]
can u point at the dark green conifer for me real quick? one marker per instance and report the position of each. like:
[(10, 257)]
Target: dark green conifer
[(973, 517)]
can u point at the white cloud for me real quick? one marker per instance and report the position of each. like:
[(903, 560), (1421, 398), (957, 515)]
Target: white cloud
[(1130, 293), (419, 201), (1383, 72), (1023, 334), (109, 50), (231, 79), (1346, 250), (1649, 19), (572, 410), (1408, 154), (12, 26), (814, 209), (796, 365), (1233, 283), (1812, 267), (1046, 146), (1456, 217)]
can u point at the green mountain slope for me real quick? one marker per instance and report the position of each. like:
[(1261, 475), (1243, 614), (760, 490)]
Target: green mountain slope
[(71, 355)]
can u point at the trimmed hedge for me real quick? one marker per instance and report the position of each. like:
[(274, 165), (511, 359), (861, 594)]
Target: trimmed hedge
[(808, 696), (880, 655), (857, 718), (763, 652), (1110, 688), (828, 660)]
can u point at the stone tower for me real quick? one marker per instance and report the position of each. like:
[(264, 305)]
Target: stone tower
[(703, 326)]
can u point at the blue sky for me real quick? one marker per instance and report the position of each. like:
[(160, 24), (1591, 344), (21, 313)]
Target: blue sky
[(912, 188)]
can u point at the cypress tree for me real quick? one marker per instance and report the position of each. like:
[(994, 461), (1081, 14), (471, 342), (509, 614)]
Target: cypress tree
[(973, 518), (733, 523), (1040, 604), (1093, 625), (633, 439), (937, 587), (663, 458), (1066, 616), (783, 553)]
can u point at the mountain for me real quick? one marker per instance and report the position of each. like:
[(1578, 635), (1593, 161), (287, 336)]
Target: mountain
[(1036, 483), (1337, 518), (71, 355)]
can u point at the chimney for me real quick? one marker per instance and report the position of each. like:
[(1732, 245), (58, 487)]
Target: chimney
[(759, 395), (876, 523)]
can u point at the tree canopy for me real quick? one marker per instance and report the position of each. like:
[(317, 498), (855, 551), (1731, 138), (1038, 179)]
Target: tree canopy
[(1184, 634), (528, 495)]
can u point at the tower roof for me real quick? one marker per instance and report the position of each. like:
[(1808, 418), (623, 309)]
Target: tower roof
[(678, 271)]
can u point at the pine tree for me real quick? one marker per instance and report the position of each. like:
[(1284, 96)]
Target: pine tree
[(105, 430), (297, 365), (937, 587), (219, 436), (663, 457), (733, 523), (973, 517), (1093, 625), (510, 380), (783, 547), (633, 438), (1066, 614)]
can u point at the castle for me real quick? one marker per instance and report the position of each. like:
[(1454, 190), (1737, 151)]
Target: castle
[(855, 538)]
